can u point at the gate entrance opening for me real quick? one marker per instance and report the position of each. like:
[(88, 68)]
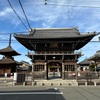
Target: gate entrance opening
[(54, 70)]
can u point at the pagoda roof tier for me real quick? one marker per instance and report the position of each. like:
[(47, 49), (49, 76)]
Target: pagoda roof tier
[(8, 61), (9, 51), (69, 36)]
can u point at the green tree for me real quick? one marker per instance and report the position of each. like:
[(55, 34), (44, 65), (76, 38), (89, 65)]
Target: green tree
[(91, 66)]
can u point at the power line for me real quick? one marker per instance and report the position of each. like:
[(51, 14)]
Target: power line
[(74, 5), (17, 14), (24, 13), (71, 5), (6, 33)]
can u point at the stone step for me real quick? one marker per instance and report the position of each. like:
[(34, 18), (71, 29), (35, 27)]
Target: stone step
[(57, 83)]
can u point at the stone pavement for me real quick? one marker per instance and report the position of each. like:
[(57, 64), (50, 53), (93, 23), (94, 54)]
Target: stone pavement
[(57, 82), (54, 82), (51, 82)]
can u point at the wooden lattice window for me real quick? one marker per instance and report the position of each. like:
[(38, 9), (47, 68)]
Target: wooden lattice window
[(39, 68), (69, 67)]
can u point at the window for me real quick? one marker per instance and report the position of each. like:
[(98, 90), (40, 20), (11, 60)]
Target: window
[(69, 67), (39, 68)]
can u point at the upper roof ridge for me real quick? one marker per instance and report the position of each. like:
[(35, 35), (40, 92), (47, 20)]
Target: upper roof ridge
[(55, 28)]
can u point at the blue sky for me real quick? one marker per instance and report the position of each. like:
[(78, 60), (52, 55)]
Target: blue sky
[(84, 14)]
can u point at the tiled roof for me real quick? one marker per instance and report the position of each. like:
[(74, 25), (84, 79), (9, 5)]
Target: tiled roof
[(69, 36), (84, 62), (96, 56), (7, 61), (8, 51), (52, 33), (24, 63)]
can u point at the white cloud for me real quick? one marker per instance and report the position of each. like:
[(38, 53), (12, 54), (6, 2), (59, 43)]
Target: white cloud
[(49, 15), (5, 12)]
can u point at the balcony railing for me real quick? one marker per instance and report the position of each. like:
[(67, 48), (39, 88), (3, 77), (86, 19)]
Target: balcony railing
[(54, 52)]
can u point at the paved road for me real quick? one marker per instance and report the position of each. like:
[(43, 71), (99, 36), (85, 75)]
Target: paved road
[(50, 93), (81, 93)]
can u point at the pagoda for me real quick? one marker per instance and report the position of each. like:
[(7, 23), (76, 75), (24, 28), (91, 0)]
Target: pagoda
[(7, 63), (52, 50)]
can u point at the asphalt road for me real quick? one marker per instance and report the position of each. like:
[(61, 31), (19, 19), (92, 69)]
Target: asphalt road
[(50, 93)]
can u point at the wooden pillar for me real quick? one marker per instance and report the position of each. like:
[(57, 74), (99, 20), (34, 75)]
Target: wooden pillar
[(63, 72), (46, 70), (76, 73), (46, 67), (32, 71), (95, 64), (32, 67)]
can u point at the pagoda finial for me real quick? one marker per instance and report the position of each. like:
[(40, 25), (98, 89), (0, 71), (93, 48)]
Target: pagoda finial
[(10, 40)]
